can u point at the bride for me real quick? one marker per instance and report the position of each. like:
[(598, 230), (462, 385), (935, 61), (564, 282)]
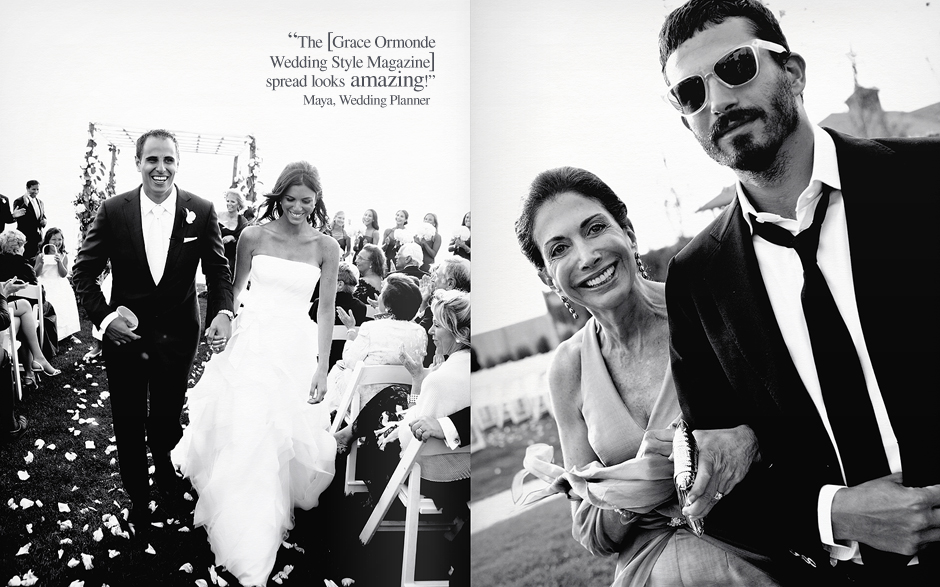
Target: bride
[(255, 448)]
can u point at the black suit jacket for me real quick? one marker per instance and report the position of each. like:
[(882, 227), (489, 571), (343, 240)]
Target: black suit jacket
[(117, 235), (30, 224), (732, 367), (6, 215)]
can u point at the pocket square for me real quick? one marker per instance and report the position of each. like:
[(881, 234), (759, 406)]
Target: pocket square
[(189, 239)]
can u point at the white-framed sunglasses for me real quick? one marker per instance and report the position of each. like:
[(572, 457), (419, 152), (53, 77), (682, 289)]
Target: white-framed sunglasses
[(734, 69)]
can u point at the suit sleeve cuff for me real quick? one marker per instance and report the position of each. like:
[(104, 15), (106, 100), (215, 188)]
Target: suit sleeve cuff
[(451, 437), (842, 552), (107, 320)]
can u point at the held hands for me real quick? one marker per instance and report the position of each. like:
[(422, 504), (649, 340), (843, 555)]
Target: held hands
[(218, 333), (724, 458), (885, 515), (426, 427)]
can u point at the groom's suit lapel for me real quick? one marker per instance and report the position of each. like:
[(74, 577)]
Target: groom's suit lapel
[(135, 228), (176, 236)]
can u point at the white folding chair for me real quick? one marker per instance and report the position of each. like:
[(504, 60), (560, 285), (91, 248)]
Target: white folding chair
[(339, 332), (405, 484), (349, 408), (11, 346), (33, 292)]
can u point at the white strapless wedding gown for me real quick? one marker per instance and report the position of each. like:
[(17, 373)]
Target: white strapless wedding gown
[(254, 448)]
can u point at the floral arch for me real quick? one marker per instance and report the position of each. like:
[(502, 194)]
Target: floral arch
[(116, 137)]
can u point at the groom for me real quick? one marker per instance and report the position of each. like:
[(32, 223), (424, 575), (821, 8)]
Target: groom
[(154, 236)]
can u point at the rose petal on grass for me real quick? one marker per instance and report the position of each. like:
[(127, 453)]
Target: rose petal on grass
[(30, 579), (29, 457), (66, 525), (111, 448), (50, 447), (187, 568), (183, 529), (60, 553), (98, 535), (66, 540), (73, 563), (70, 456), (64, 507), (24, 549), (77, 432), (39, 443), (113, 553), (89, 444), (77, 583), (86, 560), (29, 528), (26, 503), (201, 583), (150, 550), (23, 475)]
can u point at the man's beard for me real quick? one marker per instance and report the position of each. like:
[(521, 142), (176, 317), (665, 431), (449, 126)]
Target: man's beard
[(745, 153)]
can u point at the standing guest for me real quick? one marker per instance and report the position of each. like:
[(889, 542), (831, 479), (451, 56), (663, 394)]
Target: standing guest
[(231, 224), (30, 214), (14, 266), (154, 236), (430, 244), (611, 386), (52, 269), (370, 232), (461, 246), (408, 261), (805, 389), (371, 264), (349, 310), (338, 232), (391, 244)]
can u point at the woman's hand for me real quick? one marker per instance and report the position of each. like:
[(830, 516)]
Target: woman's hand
[(228, 239), (425, 286), (11, 286), (657, 442), (348, 320), (418, 372), (427, 427), (318, 387)]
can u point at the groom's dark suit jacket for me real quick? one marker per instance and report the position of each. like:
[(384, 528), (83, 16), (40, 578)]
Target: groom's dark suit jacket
[(732, 367)]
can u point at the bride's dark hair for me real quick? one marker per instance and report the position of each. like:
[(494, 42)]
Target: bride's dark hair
[(298, 173)]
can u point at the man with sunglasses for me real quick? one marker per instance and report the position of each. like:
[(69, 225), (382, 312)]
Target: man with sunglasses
[(817, 450)]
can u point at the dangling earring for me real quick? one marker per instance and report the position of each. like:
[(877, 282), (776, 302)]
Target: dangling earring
[(568, 306), (640, 267)]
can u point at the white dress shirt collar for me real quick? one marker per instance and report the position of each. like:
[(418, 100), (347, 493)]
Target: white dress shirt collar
[(146, 204)]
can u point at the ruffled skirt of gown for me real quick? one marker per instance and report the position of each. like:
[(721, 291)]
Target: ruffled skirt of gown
[(254, 448)]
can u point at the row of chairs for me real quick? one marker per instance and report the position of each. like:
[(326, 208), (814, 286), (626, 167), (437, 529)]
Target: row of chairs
[(405, 483), (11, 345)]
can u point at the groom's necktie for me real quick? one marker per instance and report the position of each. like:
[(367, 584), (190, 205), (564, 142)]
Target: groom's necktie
[(156, 244), (841, 379)]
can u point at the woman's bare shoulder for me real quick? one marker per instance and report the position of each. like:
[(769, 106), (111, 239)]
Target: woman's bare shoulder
[(564, 373)]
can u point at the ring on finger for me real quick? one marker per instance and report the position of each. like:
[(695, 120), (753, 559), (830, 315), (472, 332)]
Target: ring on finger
[(718, 496)]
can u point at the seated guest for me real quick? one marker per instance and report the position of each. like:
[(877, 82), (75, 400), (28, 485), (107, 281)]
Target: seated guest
[(14, 265), (52, 269), (16, 426), (451, 273), (408, 261), (371, 264), (349, 310), (379, 341)]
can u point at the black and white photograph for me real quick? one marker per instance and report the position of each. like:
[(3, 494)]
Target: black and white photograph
[(596, 160), (235, 294)]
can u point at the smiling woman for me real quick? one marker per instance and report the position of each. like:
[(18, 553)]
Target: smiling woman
[(612, 391)]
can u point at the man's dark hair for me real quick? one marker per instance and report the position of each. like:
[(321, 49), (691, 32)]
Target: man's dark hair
[(157, 133), (31, 183), (697, 15)]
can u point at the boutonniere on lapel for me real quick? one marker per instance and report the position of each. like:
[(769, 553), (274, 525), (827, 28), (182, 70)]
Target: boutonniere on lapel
[(190, 215)]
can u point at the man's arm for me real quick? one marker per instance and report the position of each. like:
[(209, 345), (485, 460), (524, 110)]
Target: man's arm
[(89, 264)]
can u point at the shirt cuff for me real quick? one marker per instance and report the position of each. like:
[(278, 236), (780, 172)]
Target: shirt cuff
[(107, 320), (451, 437), (842, 552)]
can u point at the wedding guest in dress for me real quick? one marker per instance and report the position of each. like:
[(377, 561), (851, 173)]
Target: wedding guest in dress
[(379, 341), (338, 232), (612, 390), (390, 243), (369, 234), (430, 244), (14, 266), (451, 273), (371, 264), (255, 448), (231, 224), (53, 268), (461, 246)]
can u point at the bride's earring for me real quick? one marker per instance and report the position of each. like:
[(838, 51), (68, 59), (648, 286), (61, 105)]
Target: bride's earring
[(640, 267)]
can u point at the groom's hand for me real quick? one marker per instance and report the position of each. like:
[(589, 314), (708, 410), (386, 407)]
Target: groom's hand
[(119, 332)]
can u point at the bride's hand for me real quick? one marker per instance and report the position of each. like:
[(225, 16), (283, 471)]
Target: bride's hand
[(317, 388)]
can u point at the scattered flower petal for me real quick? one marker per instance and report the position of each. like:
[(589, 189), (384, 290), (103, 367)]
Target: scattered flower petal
[(29, 457), (66, 540), (201, 583), (64, 507), (112, 553), (29, 528), (26, 503), (187, 568), (39, 443), (98, 535), (150, 550), (24, 549), (72, 563), (50, 447), (70, 456), (86, 560), (66, 525), (89, 444), (23, 475), (184, 529)]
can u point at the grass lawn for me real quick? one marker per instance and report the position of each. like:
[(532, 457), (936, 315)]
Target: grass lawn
[(70, 485), (535, 548)]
